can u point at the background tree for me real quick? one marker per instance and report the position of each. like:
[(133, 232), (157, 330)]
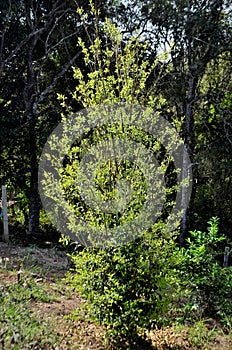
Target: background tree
[(199, 33), (213, 144), (38, 47)]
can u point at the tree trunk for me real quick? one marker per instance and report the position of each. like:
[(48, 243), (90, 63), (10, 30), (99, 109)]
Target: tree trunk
[(30, 99), (184, 200), (34, 201), (189, 141)]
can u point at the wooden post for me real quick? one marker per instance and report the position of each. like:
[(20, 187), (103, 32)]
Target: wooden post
[(5, 215)]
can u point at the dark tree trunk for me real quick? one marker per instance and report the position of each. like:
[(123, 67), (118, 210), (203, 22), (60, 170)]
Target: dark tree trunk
[(34, 201), (189, 141), (30, 98)]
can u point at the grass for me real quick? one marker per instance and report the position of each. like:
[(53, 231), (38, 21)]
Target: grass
[(19, 327)]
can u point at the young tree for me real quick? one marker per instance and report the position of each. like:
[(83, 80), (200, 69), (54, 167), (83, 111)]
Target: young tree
[(125, 279)]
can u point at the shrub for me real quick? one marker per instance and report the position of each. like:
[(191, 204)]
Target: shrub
[(129, 287), (206, 282)]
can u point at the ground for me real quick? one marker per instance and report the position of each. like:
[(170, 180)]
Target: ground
[(47, 267)]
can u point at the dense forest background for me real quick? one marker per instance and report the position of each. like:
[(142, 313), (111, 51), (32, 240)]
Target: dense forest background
[(172, 57), (39, 47)]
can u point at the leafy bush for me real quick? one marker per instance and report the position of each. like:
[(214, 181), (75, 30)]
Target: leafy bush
[(206, 283), (129, 287)]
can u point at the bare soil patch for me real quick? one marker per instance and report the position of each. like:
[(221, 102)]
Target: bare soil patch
[(51, 262), (73, 334)]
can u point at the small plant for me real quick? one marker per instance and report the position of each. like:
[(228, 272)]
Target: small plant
[(207, 284), (197, 335)]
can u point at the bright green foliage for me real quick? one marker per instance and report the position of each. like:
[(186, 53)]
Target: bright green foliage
[(118, 69), (207, 283), (129, 286)]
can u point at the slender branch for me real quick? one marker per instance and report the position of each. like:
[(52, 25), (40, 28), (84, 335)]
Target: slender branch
[(57, 77), (57, 10), (57, 20), (18, 48)]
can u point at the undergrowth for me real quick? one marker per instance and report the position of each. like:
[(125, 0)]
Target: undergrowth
[(19, 326)]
